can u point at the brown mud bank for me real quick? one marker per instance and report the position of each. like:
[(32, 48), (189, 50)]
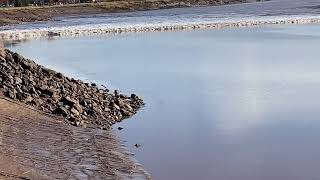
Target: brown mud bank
[(32, 14), (34, 145)]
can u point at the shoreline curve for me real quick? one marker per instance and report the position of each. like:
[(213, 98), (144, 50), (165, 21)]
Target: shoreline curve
[(100, 29)]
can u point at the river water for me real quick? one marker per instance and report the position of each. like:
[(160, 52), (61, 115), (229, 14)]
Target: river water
[(223, 104)]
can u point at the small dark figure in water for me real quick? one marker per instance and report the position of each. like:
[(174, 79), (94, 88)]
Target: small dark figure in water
[(137, 145), (120, 128)]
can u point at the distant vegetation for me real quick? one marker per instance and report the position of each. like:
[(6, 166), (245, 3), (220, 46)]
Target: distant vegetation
[(23, 3)]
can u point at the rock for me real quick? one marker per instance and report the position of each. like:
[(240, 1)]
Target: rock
[(11, 94), (61, 111), (9, 57), (116, 107), (28, 99), (116, 93), (127, 106), (125, 112), (59, 75), (45, 90), (68, 101), (20, 96), (48, 71), (78, 107), (37, 102), (17, 80), (2, 51), (133, 96), (11, 80), (75, 112), (17, 57), (119, 102), (28, 64)]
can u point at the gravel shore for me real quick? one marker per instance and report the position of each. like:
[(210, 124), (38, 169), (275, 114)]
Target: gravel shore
[(80, 103)]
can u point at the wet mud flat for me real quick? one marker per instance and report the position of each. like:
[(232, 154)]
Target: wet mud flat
[(35, 145)]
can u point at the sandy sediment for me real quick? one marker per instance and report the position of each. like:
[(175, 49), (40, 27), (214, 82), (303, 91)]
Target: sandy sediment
[(85, 30), (34, 145)]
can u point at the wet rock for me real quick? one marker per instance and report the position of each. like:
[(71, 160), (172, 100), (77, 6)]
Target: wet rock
[(133, 96)]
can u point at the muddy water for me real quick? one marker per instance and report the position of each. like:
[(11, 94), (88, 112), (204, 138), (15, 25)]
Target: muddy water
[(34, 146), (222, 104)]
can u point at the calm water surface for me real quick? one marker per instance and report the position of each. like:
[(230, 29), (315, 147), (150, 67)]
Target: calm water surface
[(220, 104)]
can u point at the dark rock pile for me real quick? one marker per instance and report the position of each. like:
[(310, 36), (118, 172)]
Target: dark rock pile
[(80, 103)]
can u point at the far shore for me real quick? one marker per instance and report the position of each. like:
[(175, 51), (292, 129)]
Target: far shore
[(67, 31), (18, 15)]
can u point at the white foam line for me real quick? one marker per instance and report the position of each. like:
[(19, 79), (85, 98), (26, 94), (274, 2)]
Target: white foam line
[(82, 30)]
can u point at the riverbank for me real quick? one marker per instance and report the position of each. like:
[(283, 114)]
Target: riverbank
[(80, 103), (33, 14), (35, 145), (39, 138)]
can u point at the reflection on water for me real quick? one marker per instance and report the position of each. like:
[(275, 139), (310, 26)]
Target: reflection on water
[(221, 104)]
